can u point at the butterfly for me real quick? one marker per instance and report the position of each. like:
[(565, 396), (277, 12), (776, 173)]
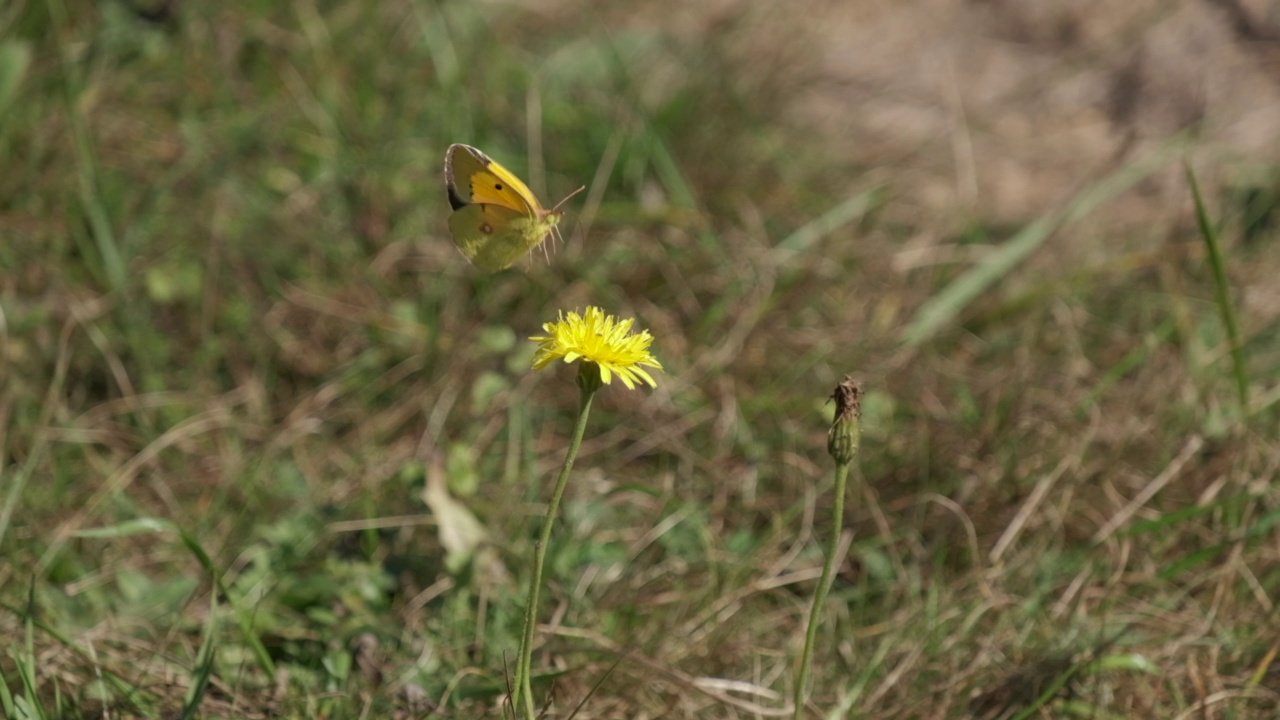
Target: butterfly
[(496, 218)]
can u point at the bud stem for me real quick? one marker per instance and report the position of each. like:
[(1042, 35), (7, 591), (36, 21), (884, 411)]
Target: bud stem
[(842, 443)]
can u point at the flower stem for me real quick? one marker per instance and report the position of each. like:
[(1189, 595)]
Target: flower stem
[(824, 584), (523, 693), (842, 443)]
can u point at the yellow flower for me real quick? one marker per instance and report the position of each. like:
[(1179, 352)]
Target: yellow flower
[(600, 339)]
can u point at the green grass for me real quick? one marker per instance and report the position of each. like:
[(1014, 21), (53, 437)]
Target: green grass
[(269, 446)]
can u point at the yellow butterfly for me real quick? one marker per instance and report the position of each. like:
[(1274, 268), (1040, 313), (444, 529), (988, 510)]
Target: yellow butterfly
[(496, 219)]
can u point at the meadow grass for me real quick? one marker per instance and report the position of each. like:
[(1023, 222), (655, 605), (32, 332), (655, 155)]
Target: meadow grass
[(269, 446)]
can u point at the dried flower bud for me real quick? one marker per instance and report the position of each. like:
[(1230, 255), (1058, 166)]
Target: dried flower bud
[(842, 439)]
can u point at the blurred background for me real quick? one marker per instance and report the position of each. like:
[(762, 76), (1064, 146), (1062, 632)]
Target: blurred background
[(270, 446)]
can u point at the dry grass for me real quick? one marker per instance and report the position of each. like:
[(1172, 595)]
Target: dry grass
[(214, 465)]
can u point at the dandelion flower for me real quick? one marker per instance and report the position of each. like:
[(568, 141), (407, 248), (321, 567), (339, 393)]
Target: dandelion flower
[(602, 340), (606, 348)]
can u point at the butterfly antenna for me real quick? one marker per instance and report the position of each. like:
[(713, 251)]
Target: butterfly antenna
[(566, 197)]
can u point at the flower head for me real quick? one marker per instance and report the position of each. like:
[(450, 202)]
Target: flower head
[(842, 438), (601, 339)]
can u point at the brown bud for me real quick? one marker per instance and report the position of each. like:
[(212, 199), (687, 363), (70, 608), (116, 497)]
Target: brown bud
[(842, 439)]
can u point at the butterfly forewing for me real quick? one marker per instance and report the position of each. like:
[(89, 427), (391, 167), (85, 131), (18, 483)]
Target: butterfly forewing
[(477, 178)]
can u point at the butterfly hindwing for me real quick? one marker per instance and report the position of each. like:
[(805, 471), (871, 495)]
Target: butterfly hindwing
[(494, 237)]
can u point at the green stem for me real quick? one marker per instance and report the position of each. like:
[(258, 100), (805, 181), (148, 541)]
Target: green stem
[(523, 693), (824, 584)]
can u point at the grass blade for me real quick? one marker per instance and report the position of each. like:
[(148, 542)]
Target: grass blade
[(6, 697), (26, 661), (104, 236), (843, 213), (1222, 291), (946, 305), (15, 60), (159, 525), (204, 662)]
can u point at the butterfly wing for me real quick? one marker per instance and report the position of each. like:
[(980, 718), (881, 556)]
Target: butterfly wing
[(496, 218), (494, 237), (473, 177)]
